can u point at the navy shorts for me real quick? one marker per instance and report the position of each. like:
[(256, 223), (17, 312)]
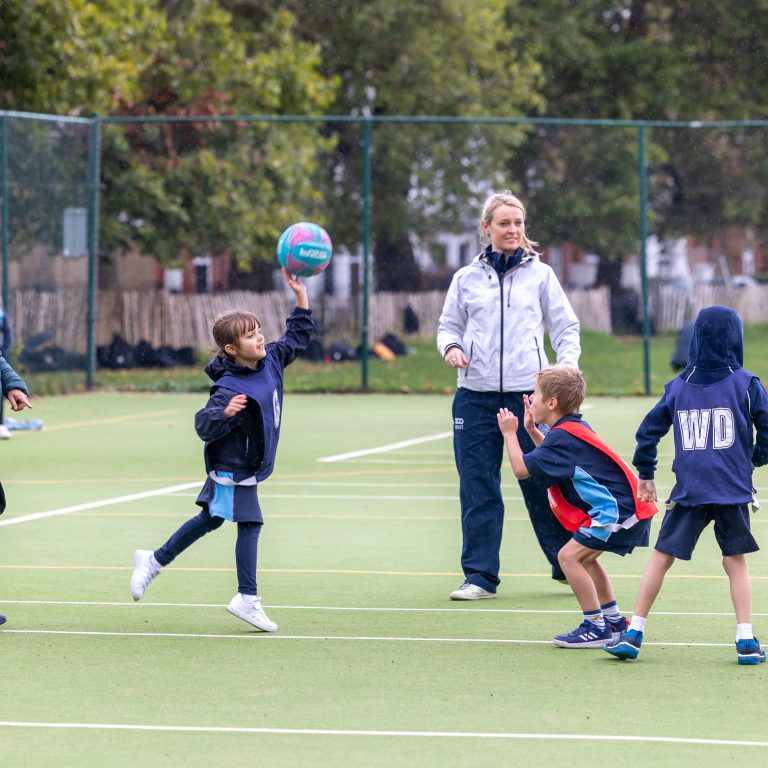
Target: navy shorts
[(682, 527), (621, 542)]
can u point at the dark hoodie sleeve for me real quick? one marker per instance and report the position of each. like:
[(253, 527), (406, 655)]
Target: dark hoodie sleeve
[(10, 379), (758, 410), (653, 427), (298, 331), (210, 422)]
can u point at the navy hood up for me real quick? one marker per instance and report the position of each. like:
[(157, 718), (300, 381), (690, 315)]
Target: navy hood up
[(220, 365), (717, 341)]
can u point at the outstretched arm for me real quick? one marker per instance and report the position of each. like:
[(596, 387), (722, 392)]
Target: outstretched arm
[(508, 424), (653, 427), (530, 425), (298, 288)]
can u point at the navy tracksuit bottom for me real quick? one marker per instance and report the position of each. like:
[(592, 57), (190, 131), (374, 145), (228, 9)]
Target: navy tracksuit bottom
[(479, 450), (201, 524)]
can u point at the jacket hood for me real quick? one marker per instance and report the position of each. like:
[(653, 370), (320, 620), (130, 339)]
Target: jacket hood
[(221, 364), (717, 340)]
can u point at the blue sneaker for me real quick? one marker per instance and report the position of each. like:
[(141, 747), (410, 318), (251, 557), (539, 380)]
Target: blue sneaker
[(2, 619), (587, 635), (626, 645), (749, 651), (617, 627)]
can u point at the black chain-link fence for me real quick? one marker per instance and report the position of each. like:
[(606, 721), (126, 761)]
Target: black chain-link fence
[(123, 237)]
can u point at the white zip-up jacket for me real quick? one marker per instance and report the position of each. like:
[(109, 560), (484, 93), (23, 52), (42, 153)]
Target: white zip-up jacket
[(500, 324)]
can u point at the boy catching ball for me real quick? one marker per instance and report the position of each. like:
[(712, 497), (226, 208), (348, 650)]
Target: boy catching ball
[(592, 492)]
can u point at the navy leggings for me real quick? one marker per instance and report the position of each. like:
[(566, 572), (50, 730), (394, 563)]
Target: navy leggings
[(245, 547), (479, 451)]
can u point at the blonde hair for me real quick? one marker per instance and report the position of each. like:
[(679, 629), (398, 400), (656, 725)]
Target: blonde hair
[(564, 383), (229, 327), (497, 199)]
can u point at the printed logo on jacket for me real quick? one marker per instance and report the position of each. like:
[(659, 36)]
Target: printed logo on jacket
[(276, 407)]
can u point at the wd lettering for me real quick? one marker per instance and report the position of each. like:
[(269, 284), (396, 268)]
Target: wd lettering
[(696, 425)]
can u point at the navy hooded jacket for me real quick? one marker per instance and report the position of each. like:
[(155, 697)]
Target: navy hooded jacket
[(715, 357), (246, 443)]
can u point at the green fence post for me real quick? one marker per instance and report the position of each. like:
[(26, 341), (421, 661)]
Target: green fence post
[(643, 178), (5, 190), (94, 182), (366, 247)]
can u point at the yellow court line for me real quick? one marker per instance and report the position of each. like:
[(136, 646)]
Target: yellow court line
[(364, 472), (113, 420), (289, 516), (344, 571), (281, 478), (110, 480)]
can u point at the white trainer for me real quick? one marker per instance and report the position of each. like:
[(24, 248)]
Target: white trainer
[(5, 433), (248, 608), (469, 591), (143, 572)]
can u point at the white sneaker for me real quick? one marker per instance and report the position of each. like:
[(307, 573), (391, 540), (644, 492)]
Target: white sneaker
[(5, 433), (143, 572), (469, 591), (249, 609)]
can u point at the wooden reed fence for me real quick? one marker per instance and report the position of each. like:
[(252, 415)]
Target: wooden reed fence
[(671, 307), (181, 320)]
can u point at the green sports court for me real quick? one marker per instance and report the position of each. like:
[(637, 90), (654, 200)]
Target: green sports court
[(372, 664)]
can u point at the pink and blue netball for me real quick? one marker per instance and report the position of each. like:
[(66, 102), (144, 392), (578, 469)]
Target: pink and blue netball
[(304, 249)]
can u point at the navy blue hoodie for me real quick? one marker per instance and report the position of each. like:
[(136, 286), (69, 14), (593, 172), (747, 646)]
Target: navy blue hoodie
[(716, 352), (246, 443)]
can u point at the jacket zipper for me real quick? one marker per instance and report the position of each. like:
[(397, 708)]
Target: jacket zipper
[(511, 274), (501, 336)]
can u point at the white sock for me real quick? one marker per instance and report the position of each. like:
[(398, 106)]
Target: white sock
[(154, 562), (744, 632), (596, 617), (251, 599), (611, 611), (638, 623)]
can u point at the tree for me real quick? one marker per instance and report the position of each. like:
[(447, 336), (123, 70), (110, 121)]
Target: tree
[(650, 60), (213, 186), (74, 56), (68, 58), (416, 57), (195, 187)]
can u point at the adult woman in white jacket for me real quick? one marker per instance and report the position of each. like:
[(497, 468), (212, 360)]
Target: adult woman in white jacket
[(492, 330)]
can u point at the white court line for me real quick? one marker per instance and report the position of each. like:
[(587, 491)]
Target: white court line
[(355, 497), (102, 503), (268, 636), (624, 738), (342, 484), (385, 448), (407, 462), (354, 609)]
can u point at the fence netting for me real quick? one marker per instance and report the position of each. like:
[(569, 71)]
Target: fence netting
[(190, 211), (45, 198)]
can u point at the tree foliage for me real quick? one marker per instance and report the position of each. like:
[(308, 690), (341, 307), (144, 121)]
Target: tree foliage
[(215, 185), (417, 57), (75, 56), (177, 187), (649, 60), (211, 186)]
